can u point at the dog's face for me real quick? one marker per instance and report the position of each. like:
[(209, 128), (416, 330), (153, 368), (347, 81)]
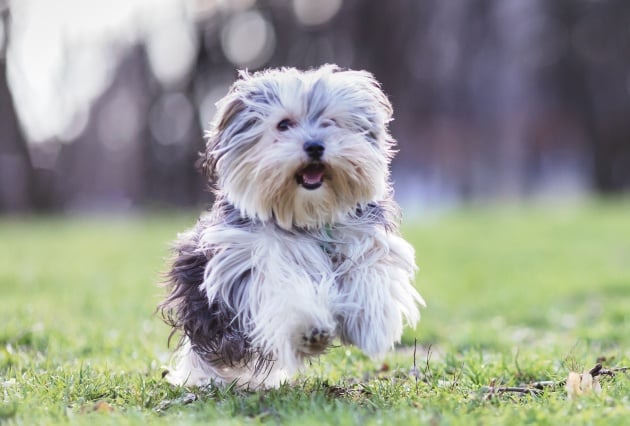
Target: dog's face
[(304, 148)]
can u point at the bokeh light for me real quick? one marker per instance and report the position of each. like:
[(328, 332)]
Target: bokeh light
[(248, 39), (313, 13), (63, 54), (171, 44), (171, 118), (119, 122)]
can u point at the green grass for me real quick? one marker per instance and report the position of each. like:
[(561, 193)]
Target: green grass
[(516, 294)]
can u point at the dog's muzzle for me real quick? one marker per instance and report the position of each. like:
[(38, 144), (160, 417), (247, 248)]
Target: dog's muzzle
[(312, 176)]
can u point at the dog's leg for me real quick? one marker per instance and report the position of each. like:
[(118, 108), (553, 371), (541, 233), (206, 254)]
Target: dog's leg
[(289, 298), (213, 346), (293, 320), (375, 290), (278, 288)]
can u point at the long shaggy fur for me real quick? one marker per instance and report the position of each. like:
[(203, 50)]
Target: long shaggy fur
[(290, 258)]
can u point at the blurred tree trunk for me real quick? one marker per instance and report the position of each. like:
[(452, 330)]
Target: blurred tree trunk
[(604, 36), (595, 82), (16, 172)]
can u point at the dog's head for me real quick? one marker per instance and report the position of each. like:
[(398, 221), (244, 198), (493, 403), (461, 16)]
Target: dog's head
[(301, 148)]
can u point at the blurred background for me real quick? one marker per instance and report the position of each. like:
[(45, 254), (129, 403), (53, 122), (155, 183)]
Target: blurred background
[(103, 103)]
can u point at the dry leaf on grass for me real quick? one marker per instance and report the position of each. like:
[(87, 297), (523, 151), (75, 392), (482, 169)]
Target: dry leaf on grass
[(582, 384), (97, 407)]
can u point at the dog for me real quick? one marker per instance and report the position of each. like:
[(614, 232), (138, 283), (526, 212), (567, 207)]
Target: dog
[(301, 246)]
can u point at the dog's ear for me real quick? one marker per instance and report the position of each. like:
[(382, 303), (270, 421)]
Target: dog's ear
[(233, 129), (373, 110), (366, 81), (380, 111), (228, 109)]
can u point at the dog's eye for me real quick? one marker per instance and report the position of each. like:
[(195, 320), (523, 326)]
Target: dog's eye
[(328, 122), (285, 125)]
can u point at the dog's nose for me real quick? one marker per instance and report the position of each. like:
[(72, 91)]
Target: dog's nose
[(314, 149)]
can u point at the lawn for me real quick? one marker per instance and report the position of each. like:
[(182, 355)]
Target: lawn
[(516, 295)]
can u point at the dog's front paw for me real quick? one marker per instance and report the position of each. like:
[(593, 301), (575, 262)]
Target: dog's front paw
[(315, 340)]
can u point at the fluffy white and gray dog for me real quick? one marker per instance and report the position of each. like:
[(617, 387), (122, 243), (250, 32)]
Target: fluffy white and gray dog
[(302, 244)]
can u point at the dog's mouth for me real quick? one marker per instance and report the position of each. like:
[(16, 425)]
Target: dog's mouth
[(311, 176)]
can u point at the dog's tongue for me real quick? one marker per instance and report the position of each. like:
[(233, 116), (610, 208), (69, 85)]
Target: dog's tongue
[(312, 175)]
